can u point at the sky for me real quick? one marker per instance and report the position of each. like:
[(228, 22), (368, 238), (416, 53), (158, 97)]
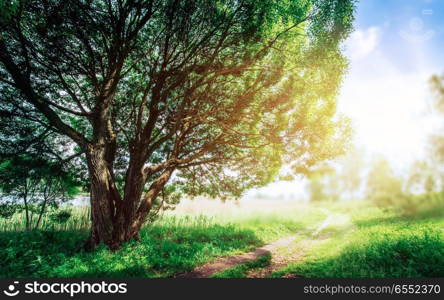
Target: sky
[(395, 48)]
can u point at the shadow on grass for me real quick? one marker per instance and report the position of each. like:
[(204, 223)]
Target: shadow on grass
[(241, 271), (163, 251), (27, 254), (381, 221)]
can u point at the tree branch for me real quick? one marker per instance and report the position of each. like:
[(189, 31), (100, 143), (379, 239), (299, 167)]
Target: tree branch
[(25, 87)]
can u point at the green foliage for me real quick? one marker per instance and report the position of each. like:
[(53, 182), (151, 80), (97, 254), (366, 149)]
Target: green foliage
[(425, 176), (255, 80), (17, 172), (167, 98), (437, 85)]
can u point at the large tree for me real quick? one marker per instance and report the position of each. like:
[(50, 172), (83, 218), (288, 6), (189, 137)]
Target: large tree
[(168, 96)]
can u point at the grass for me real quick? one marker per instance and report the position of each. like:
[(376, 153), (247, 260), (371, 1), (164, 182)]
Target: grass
[(381, 244), (171, 245), (79, 220), (360, 241)]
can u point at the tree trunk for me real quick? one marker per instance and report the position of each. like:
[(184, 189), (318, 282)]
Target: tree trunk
[(25, 202), (42, 211), (102, 202), (115, 220)]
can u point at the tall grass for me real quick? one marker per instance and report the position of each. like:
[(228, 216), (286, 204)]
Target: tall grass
[(377, 243), (173, 244), (79, 220)]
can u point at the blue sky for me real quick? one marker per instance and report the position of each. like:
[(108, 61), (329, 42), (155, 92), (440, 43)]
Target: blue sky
[(395, 48), (399, 20)]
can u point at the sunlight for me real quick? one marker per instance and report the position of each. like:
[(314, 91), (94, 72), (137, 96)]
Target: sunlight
[(386, 93), (390, 115)]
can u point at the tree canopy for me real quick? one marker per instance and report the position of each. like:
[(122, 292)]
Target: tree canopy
[(195, 96)]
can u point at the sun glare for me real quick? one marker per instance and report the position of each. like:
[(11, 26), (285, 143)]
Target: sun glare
[(390, 115)]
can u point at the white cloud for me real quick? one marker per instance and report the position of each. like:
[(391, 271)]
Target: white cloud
[(362, 42)]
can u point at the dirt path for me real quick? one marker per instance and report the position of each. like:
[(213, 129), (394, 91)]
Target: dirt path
[(283, 251), (279, 260), (224, 263), (296, 251)]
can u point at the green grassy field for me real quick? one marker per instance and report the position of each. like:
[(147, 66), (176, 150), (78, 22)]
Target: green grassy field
[(357, 241), (173, 244), (381, 243)]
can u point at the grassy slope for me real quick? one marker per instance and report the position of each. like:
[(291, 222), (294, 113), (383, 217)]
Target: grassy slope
[(172, 245), (381, 244)]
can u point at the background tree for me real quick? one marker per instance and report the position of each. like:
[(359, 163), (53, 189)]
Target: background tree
[(194, 96), (436, 143), (383, 188), (319, 188), (349, 178), (341, 178), (34, 185), (316, 188), (424, 176)]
